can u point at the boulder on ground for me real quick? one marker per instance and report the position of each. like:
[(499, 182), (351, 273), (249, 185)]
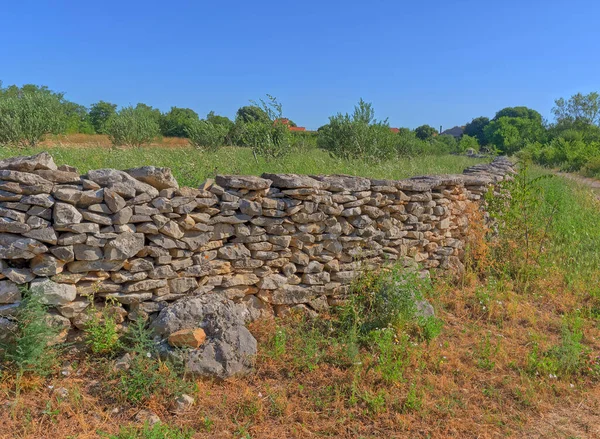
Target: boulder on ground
[(229, 348)]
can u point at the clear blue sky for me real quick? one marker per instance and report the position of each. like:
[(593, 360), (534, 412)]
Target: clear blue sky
[(439, 62)]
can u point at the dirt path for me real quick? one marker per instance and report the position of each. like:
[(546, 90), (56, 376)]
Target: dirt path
[(589, 182)]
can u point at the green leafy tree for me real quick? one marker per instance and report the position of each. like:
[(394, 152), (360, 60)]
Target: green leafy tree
[(519, 112), (252, 113), (579, 109), (467, 143), (511, 134), (176, 121), (25, 118), (154, 113), (132, 127), (77, 118), (265, 134), (219, 120), (207, 135), (100, 113), (425, 132), (475, 129)]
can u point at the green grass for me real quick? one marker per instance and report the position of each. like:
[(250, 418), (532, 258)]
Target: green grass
[(191, 166)]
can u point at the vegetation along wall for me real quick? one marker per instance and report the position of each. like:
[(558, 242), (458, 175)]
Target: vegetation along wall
[(137, 241)]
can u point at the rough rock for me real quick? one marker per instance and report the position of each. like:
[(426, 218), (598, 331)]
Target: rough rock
[(187, 338), (160, 178), (52, 293), (229, 348)]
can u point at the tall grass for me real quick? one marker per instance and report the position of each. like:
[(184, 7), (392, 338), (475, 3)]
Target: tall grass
[(191, 166)]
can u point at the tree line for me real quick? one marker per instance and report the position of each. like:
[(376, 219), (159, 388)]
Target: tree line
[(571, 141)]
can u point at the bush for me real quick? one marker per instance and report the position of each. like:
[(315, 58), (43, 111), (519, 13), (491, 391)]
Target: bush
[(177, 121), (31, 347), (101, 332), (27, 117), (358, 136), (206, 135), (132, 127), (592, 168), (467, 142), (148, 375), (390, 298)]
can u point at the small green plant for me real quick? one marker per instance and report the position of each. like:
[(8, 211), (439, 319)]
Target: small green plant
[(413, 401), (132, 127), (392, 352), (31, 348), (206, 136), (156, 431), (101, 332), (148, 375)]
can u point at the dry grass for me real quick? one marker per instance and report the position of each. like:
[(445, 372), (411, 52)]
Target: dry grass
[(472, 382), (79, 140)]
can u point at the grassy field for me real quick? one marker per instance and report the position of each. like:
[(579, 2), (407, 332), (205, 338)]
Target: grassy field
[(191, 166)]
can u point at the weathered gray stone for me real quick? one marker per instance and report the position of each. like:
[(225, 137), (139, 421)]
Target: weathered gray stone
[(243, 182), (111, 177), (17, 247), (9, 292), (52, 293), (46, 234), (43, 160), (45, 265), (160, 178), (229, 348), (85, 266), (292, 181), (66, 214), (125, 246)]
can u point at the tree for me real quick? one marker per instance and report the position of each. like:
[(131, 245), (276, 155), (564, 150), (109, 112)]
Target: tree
[(510, 134), (467, 143), (132, 127), (154, 113), (579, 109), (176, 121), (77, 118), (252, 113), (519, 112), (425, 132), (219, 120), (207, 135), (100, 113), (259, 126), (25, 118), (475, 129)]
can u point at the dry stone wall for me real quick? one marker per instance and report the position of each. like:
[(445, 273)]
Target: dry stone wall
[(136, 241)]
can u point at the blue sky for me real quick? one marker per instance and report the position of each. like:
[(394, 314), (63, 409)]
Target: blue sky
[(438, 62)]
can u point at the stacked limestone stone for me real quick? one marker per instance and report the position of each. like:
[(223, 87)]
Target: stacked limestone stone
[(136, 239)]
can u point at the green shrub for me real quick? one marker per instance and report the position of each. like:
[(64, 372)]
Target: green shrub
[(31, 348), (466, 143), (101, 332), (358, 136), (132, 127), (148, 375), (27, 117), (386, 299), (206, 135), (592, 167)]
